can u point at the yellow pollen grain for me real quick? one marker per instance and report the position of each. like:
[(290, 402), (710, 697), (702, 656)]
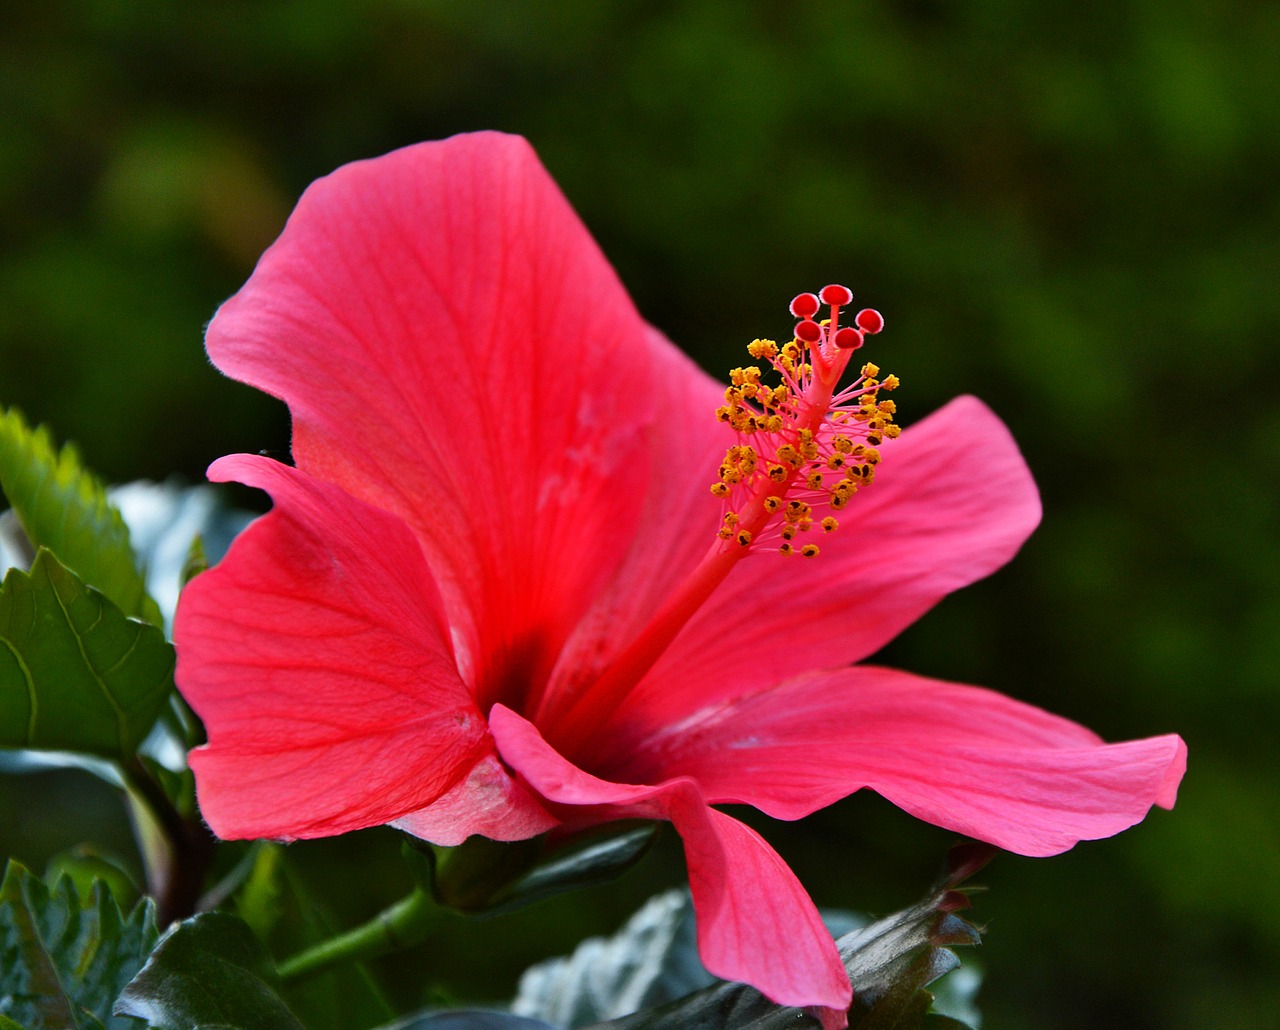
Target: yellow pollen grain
[(799, 451)]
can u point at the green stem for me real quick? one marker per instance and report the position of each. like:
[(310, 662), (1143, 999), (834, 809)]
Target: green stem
[(175, 873), (400, 926)]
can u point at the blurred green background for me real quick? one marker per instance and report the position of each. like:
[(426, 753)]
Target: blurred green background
[(1069, 210)]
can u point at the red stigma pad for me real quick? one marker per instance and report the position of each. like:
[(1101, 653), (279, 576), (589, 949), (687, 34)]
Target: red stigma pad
[(805, 305), (808, 331), (848, 338), (836, 294), (870, 320)]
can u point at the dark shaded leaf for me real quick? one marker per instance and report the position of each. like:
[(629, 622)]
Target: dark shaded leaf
[(208, 971), (65, 508), (475, 1020), (75, 673), (890, 963), (63, 958), (484, 877), (653, 959)]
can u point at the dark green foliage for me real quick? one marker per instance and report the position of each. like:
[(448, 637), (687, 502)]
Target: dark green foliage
[(64, 958), (484, 877), (64, 507), (208, 971), (890, 964), (75, 673)]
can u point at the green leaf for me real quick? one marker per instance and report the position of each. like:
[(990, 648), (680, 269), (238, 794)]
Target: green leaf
[(485, 877), (65, 508), (208, 971), (75, 673), (468, 1020), (64, 958), (651, 960), (890, 963)]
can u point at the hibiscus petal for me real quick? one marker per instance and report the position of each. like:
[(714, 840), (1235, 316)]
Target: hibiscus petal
[(488, 802), (952, 502), (756, 924), (677, 526), (455, 349), (317, 656), (960, 757)]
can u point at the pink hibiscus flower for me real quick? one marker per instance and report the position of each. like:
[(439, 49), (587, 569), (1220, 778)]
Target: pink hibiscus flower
[(496, 596)]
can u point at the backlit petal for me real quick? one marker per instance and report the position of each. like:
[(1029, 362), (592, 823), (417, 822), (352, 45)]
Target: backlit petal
[(676, 527), (960, 757), (317, 656), (455, 349), (756, 924)]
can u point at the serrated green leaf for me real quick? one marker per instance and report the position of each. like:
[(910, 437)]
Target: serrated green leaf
[(890, 962), (653, 959), (64, 958), (64, 507), (75, 673), (208, 971)]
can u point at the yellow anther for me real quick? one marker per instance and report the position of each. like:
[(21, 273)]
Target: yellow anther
[(891, 382), (892, 431), (806, 444)]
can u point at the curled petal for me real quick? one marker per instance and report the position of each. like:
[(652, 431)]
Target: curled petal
[(317, 656), (756, 924), (960, 757), (487, 801)]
